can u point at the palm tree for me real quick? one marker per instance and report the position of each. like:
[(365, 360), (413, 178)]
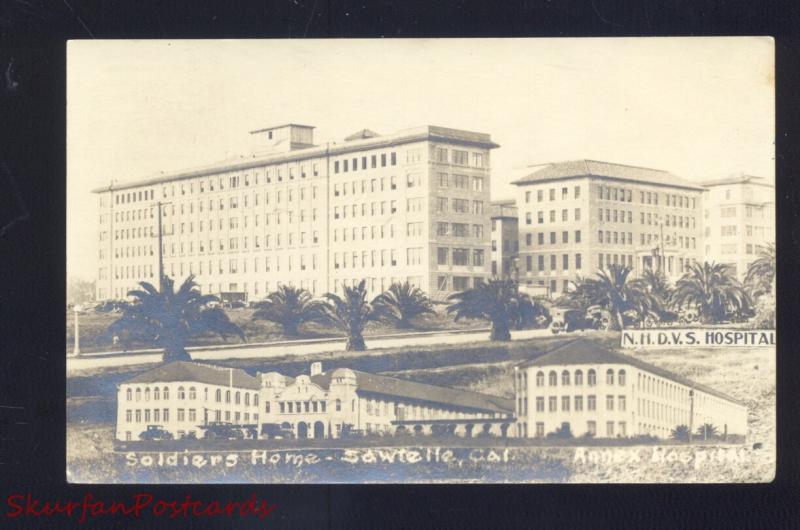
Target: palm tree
[(290, 307), (351, 312), (680, 432), (496, 300), (657, 284), (760, 277), (707, 430), (615, 291), (401, 303), (713, 289), (169, 318)]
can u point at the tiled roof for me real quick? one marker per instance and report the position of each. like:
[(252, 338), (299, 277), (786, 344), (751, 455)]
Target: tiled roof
[(391, 386), (740, 178), (594, 168), (583, 351), (362, 134), (198, 373)]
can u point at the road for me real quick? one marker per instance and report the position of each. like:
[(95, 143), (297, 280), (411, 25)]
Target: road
[(90, 361)]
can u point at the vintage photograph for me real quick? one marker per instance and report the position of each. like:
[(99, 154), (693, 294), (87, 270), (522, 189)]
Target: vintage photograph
[(421, 260)]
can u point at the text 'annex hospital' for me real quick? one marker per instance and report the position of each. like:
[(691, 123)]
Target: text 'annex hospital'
[(415, 206)]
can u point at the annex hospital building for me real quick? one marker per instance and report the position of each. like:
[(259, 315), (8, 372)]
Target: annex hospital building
[(411, 206)]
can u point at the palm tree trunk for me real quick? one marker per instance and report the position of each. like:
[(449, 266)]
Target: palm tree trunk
[(355, 342), (618, 323), (500, 331)]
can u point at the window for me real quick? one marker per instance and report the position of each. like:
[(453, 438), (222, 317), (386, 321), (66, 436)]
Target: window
[(609, 428), (565, 403), (578, 403), (552, 378), (539, 404), (591, 428), (592, 378), (460, 158), (552, 404), (610, 377), (591, 403), (609, 402), (621, 378), (621, 403), (539, 429), (460, 256), (540, 379)]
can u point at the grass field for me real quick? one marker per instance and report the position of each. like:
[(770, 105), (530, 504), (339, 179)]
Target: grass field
[(747, 374), (94, 325)]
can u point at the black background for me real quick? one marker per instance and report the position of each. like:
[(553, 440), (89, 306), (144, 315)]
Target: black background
[(33, 36)]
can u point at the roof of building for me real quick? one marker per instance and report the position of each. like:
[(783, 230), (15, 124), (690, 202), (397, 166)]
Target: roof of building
[(417, 134), (264, 129), (178, 371), (594, 168), (739, 178), (583, 351), (391, 386), (361, 135)]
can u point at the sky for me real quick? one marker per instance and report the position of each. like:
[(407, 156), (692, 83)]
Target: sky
[(701, 108)]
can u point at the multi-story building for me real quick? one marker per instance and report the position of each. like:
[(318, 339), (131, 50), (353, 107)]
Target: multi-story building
[(580, 216), (505, 238), (326, 404), (411, 206), (590, 389), (739, 219), (185, 397), (182, 397)]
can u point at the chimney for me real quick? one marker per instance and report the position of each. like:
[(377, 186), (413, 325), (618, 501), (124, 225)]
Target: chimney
[(316, 368)]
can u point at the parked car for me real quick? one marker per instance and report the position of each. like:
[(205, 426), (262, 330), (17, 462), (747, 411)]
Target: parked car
[(155, 432), (223, 431), (275, 431), (565, 319)]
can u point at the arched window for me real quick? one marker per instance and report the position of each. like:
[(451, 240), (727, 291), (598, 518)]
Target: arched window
[(610, 377), (565, 378), (238, 398), (338, 405), (227, 396), (165, 392), (192, 393), (247, 398), (578, 378), (181, 393), (552, 378), (138, 394), (540, 379), (218, 396), (156, 393), (129, 394), (621, 378), (592, 378), (255, 400), (147, 394)]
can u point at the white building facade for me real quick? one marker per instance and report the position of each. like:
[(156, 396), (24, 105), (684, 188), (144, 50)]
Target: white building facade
[(592, 390), (183, 397), (739, 220), (410, 206), (581, 216)]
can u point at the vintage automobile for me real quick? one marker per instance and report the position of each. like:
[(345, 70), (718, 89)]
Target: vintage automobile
[(566, 319), (155, 432), (276, 431), (223, 431)]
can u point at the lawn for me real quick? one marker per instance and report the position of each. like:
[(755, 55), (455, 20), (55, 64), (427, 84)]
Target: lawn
[(93, 326), (744, 373)]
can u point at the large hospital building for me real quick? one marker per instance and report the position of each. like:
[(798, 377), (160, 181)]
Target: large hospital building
[(579, 216), (410, 206)]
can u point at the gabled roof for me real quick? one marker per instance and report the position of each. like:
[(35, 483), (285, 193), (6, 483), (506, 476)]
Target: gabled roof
[(391, 386), (361, 135), (740, 178), (583, 351), (594, 168), (180, 371)]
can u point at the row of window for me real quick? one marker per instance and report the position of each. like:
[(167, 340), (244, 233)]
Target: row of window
[(564, 216), (447, 205), (553, 262), (572, 403), (591, 429), (460, 256), (348, 164), (157, 394), (567, 377), (459, 230)]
